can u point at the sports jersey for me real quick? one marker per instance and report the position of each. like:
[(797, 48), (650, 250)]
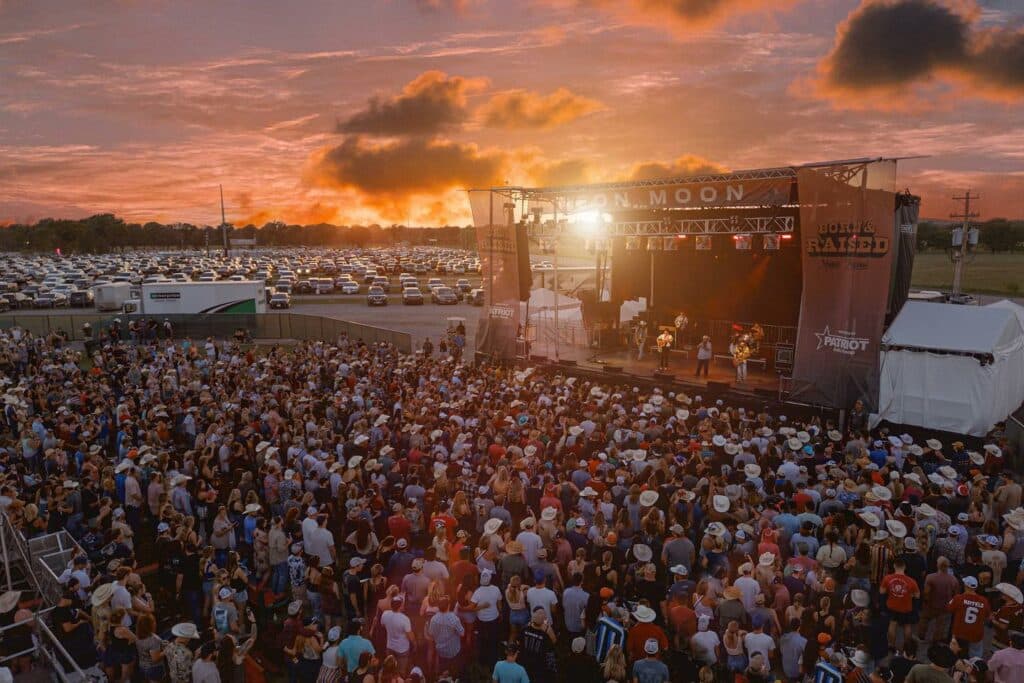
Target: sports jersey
[(900, 591), (970, 612)]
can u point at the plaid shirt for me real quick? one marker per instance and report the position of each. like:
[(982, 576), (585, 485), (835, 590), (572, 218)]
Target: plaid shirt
[(446, 631)]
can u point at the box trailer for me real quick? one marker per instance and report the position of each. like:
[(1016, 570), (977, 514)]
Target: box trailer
[(198, 298), (111, 296)]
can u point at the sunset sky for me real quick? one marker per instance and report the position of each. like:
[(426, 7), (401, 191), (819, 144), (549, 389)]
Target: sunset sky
[(353, 111)]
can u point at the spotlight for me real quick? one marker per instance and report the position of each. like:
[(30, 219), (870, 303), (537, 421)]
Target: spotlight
[(742, 242), (771, 242), (673, 243), (703, 242)]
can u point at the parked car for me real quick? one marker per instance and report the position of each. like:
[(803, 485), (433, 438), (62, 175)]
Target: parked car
[(350, 287), (280, 300), (376, 296), (381, 282), (81, 298), (412, 296), (462, 286), (51, 300), (444, 296), (303, 287), (477, 297), (5, 305)]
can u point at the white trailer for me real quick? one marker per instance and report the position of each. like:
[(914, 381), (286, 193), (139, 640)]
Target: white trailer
[(198, 298), (111, 296)]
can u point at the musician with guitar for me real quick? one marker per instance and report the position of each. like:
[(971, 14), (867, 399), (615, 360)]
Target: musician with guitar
[(740, 350), (664, 345)]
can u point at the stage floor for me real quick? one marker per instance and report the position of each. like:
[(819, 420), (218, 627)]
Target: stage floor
[(681, 368)]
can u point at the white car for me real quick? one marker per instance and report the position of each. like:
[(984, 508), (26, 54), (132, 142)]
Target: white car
[(350, 287)]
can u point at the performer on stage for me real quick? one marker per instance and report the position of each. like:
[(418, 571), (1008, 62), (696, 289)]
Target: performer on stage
[(704, 356), (640, 339), (681, 322), (740, 351), (664, 345)]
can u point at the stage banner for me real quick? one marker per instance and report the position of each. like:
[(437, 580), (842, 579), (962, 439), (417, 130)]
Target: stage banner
[(705, 194), (847, 232), (498, 246)]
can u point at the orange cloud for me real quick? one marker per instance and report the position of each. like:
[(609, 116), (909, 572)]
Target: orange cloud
[(314, 214), (524, 109), (431, 102), (902, 54), (680, 16), (564, 172), (688, 164)]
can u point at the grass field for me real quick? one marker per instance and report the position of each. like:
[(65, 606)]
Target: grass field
[(986, 274)]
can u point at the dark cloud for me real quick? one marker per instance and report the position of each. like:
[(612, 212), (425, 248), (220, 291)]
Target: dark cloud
[(410, 166), (688, 164), (523, 109), (886, 45), (432, 102)]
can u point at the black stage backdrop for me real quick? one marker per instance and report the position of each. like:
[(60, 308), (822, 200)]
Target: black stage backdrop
[(721, 284)]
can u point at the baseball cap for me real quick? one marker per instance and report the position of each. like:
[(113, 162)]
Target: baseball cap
[(579, 645), (224, 593), (651, 646), (970, 581), (162, 527)]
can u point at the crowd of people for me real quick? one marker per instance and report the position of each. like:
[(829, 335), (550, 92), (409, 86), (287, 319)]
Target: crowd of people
[(339, 511)]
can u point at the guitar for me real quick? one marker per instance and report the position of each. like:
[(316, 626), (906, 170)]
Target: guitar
[(741, 352)]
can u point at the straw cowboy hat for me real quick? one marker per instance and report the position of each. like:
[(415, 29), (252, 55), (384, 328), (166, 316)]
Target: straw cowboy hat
[(860, 597), (185, 630), (716, 529), (253, 509), (9, 601), (643, 552), (1010, 591), (794, 443), (752, 470), (766, 559), (925, 510), (933, 444), (870, 518), (718, 440), (834, 435), (994, 450), (976, 457), (896, 528), (492, 525), (648, 498), (102, 594), (881, 492), (1015, 518), (644, 614), (914, 449), (732, 448), (720, 503), (548, 514), (732, 593)]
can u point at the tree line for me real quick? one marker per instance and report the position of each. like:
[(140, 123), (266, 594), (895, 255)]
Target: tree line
[(997, 235), (107, 232)]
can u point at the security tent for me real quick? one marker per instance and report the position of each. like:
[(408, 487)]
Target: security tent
[(954, 368)]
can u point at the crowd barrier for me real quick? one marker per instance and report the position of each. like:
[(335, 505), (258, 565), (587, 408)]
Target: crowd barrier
[(257, 326)]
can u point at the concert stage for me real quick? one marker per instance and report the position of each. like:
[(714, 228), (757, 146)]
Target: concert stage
[(622, 366)]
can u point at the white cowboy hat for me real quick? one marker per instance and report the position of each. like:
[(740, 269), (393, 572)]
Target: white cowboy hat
[(914, 449), (933, 444), (1010, 591), (648, 498), (896, 528), (102, 593), (752, 470), (834, 435), (355, 461), (716, 529), (860, 597), (492, 525), (387, 450), (123, 466), (720, 503), (687, 496), (252, 509), (994, 450), (8, 601), (803, 436), (895, 441), (180, 479), (718, 440), (383, 419), (976, 457), (70, 484), (588, 492), (870, 518), (262, 446), (639, 455), (860, 659), (548, 514), (644, 614), (766, 559), (732, 448), (925, 510), (643, 552), (794, 443), (185, 630), (912, 477), (530, 450), (948, 472), (575, 430), (881, 492), (360, 440), (682, 413)]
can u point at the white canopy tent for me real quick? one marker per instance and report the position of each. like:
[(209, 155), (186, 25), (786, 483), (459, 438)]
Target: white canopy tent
[(954, 368)]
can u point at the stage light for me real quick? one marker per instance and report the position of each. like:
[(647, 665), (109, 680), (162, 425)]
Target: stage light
[(591, 223), (742, 242), (653, 243), (673, 243), (703, 242), (632, 244), (771, 242), (787, 236)]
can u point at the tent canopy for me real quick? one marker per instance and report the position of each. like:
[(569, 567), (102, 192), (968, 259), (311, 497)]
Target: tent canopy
[(953, 328)]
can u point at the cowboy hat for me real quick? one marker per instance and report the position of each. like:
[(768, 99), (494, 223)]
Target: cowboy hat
[(914, 449), (252, 509), (718, 440), (752, 470), (687, 496), (834, 435), (123, 466), (870, 518), (933, 444), (716, 529), (896, 528), (548, 514), (644, 614), (492, 525), (860, 659), (794, 443), (102, 593), (185, 630), (732, 448), (994, 450), (732, 593), (588, 492), (648, 498), (976, 457), (1010, 591), (720, 503), (895, 441), (9, 600), (575, 430), (639, 455), (262, 446), (881, 492), (682, 413), (380, 421), (912, 477), (925, 510), (948, 472), (803, 436), (642, 552)]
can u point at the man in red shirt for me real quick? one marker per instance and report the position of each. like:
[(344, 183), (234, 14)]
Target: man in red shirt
[(900, 591), (970, 612), (399, 525)]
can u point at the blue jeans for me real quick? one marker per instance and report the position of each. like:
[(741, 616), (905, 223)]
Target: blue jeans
[(279, 578)]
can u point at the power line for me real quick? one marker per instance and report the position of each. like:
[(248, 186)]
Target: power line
[(959, 257)]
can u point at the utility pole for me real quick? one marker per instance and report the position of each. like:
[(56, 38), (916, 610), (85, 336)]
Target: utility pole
[(223, 222), (960, 257)]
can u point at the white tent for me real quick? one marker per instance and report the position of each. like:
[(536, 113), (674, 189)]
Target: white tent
[(543, 302), (954, 368)]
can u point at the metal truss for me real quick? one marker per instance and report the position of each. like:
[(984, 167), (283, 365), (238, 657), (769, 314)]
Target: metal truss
[(728, 225)]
